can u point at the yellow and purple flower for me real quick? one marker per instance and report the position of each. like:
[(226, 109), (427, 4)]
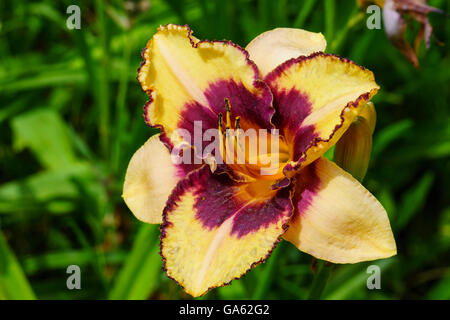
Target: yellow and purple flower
[(220, 219), (395, 24)]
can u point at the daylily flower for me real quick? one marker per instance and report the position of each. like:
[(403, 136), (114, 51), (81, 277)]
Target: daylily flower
[(218, 225), (395, 25)]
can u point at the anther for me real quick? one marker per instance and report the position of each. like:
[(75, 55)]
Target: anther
[(237, 123), (219, 122), (227, 105), (228, 108)]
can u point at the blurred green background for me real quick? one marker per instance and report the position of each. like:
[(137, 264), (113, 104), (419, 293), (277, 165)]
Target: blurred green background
[(71, 118)]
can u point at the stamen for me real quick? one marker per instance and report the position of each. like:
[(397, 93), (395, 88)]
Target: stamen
[(233, 153), (219, 122), (228, 145), (237, 125), (228, 108), (221, 145), (227, 104), (227, 127)]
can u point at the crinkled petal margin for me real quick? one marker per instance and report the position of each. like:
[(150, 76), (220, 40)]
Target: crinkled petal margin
[(193, 77), (317, 97), (215, 229)]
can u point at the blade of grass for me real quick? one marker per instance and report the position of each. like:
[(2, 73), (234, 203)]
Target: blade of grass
[(266, 275), (330, 8), (121, 114), (320, 280), (350, 278), (281, 13), (303, 13), (138, 277), (103, 96), (45, 189), (354, 18), (413, 200), (389, 134), (235, 291), (98, 260), (51, 143), (60, 260), (48, 79), (13, 283), (264, 10)]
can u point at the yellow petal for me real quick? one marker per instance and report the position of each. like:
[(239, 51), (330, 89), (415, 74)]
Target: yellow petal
[(216, 229), (325, 93), (150, 177), (337, 219), (272, 48), (188, 79)]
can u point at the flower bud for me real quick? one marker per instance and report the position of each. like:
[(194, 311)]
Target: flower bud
[(352, 152), (368, 112)]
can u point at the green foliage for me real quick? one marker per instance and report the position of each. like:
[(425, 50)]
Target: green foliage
[(13, 283), (37, 130), (71, 118), (140, 273)]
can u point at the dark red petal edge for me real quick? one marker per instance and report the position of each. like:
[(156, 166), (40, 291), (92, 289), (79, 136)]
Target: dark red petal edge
[(258, 83), (175, 195), (273, 75)]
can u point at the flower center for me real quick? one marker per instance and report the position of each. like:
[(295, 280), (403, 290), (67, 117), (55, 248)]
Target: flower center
[(261, 154)]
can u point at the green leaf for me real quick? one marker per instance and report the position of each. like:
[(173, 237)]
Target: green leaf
[(60, 260), (234, 291), (47, 79), (138, 278), (46, 134), (304, 12), (387, 200), (13, 283), (320, 280), (351, 278), (59, 186), (414, 200), (440, 291), (329, 19), (329, 154), (266, 274), (390, 134)]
